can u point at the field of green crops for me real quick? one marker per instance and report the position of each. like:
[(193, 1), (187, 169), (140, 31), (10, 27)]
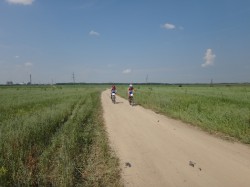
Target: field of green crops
[(54, 136), (223, 110)]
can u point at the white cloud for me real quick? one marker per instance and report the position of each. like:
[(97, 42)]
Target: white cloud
[(127, 71), (209, 58), (28, 64), (23, 2), (168, 26), (94, 33), (17, 56)]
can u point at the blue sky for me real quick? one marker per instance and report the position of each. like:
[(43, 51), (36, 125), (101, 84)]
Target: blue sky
[(166, 41)]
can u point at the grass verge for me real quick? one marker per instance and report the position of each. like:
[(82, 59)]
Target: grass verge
[(58, 140)]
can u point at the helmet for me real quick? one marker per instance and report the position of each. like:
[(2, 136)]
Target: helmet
[(130, 85)]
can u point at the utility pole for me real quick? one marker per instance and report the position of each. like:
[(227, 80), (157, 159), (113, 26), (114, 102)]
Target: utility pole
[(211, 83), (30, 79), (147, 79), (73, 76)]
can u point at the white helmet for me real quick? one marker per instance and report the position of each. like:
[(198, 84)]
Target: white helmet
[(130, 85)]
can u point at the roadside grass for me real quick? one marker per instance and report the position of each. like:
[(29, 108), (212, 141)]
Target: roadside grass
[(223, 110), (54, 136)]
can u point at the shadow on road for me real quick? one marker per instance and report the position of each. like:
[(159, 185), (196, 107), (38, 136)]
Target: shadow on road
[(118, 102)]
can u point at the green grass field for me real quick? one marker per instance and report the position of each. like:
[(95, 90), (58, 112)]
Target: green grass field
[(223, 110), (54, 136)]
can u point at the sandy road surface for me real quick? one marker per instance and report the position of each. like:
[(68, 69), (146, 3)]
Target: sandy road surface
[(156, 151)]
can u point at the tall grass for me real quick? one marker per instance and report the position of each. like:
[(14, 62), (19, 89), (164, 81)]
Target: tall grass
[(218, 109), (54, 137)]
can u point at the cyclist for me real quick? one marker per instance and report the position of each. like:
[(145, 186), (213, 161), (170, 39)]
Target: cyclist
[(113, 90), (130, 90)]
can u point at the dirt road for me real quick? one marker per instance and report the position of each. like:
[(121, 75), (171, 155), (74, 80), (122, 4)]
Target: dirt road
[(157, 151)]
